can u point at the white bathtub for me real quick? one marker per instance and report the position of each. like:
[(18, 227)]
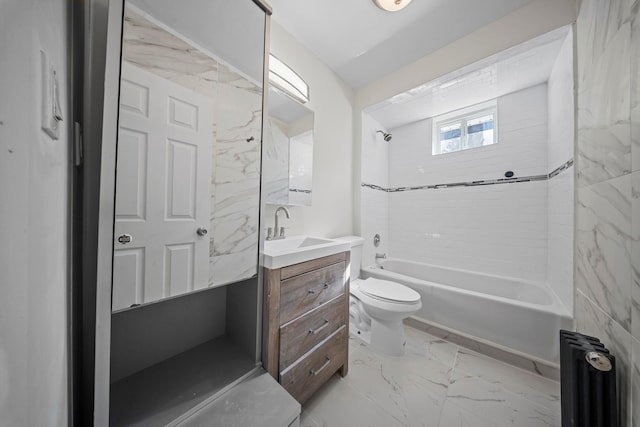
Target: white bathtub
[(520, 315)]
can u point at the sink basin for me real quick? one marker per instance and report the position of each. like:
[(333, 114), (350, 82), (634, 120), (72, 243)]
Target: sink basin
[(297, 249)]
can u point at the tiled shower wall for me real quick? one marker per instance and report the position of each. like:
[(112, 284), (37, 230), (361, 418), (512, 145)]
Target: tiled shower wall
[(607, 246), (560, 189), (519, 229), (498, 229), (374, 202)]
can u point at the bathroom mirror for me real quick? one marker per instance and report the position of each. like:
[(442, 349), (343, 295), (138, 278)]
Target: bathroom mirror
[(189, 144), (288, 159)]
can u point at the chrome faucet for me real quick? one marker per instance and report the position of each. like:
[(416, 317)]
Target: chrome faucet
[(278, 233), (380, 256)]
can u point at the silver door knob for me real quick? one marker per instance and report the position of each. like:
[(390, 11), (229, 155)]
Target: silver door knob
[(202, 231)]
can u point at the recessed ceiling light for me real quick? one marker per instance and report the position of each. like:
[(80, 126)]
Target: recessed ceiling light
[(391, 5)]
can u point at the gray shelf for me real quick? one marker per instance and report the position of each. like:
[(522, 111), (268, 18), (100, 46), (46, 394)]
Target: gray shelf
[(163, 392)]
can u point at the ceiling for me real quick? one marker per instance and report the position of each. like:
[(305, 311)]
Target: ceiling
[(362, 43), (525, 65)]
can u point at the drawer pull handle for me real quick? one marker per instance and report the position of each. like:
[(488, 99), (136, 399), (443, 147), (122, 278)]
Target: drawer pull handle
[(325, 286), (317, 371), (319, 328)]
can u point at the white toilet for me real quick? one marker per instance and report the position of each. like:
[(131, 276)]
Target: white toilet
[(377, 307)]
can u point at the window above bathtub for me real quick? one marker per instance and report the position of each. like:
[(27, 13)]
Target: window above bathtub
[(470, 127)]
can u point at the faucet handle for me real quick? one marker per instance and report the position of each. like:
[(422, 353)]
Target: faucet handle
[(269, 233), (281, 232)]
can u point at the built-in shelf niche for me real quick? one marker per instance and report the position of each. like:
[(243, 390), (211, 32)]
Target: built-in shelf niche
[(175, 355)]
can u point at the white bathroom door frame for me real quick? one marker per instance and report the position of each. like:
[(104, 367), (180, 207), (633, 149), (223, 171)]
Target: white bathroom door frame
[(163, 184)]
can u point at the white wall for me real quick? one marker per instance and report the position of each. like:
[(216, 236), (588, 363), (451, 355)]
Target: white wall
[(331, 213), (560, 188), (499, 229), (33, 219), (375, 203)]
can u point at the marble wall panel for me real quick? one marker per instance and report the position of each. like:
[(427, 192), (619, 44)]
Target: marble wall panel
[(603, 246), (635, 86), (237, 179), (604, 133), (608, 212), (635, 383), (275, 164), (591, 320), (635, 255), (152, 48)]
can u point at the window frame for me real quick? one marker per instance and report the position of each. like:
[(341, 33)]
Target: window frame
[(462, 117)]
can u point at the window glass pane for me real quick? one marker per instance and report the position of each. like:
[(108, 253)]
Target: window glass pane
[(479, 131), (450, 137)]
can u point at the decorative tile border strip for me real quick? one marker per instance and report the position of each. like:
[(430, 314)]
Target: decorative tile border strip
[(513, 180), (299, 190), (561, 168)]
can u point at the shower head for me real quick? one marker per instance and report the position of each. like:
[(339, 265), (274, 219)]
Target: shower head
[(386, 136)]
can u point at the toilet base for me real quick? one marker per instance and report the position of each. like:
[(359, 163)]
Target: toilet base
[(362, 334), (388, 337)]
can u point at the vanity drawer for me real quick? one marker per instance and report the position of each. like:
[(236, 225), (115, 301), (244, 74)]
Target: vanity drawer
[(302, 293), (302, 334), (303, 379)]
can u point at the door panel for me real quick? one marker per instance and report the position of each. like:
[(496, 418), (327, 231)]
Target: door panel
[(163, 187), (181, 180), (132, 178)]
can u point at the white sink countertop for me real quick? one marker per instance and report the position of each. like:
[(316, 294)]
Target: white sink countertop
[(297, 249)]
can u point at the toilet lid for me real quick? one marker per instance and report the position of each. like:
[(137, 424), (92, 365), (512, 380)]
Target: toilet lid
[(390, 291)]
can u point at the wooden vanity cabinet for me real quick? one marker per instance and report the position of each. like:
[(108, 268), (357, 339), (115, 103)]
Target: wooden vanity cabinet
[(306, 323)]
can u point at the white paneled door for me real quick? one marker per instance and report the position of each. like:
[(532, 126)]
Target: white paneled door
[(162, 189)]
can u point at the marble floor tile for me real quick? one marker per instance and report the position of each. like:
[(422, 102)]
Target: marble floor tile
[(420, 344), (337, 404), (455, 416), (437, 384), (495, 402), (412, 391), (527, 385)]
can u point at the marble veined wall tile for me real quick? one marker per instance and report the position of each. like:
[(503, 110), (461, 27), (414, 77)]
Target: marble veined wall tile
[(237, 178), (164, 54), (603, 244), (607, 213), (635, 86), (604, 131), (635, 255), (590, 320), (635, 383), (275, 164)]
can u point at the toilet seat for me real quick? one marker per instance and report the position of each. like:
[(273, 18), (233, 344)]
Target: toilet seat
[(385, 290)]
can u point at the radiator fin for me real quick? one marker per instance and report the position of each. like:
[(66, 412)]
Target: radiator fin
[(588, 394)]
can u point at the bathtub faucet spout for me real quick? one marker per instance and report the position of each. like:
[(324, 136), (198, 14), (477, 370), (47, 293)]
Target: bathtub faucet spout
[(381, 256)]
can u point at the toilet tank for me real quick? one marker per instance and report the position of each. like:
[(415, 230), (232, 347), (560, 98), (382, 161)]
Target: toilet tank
[(357, 243)]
